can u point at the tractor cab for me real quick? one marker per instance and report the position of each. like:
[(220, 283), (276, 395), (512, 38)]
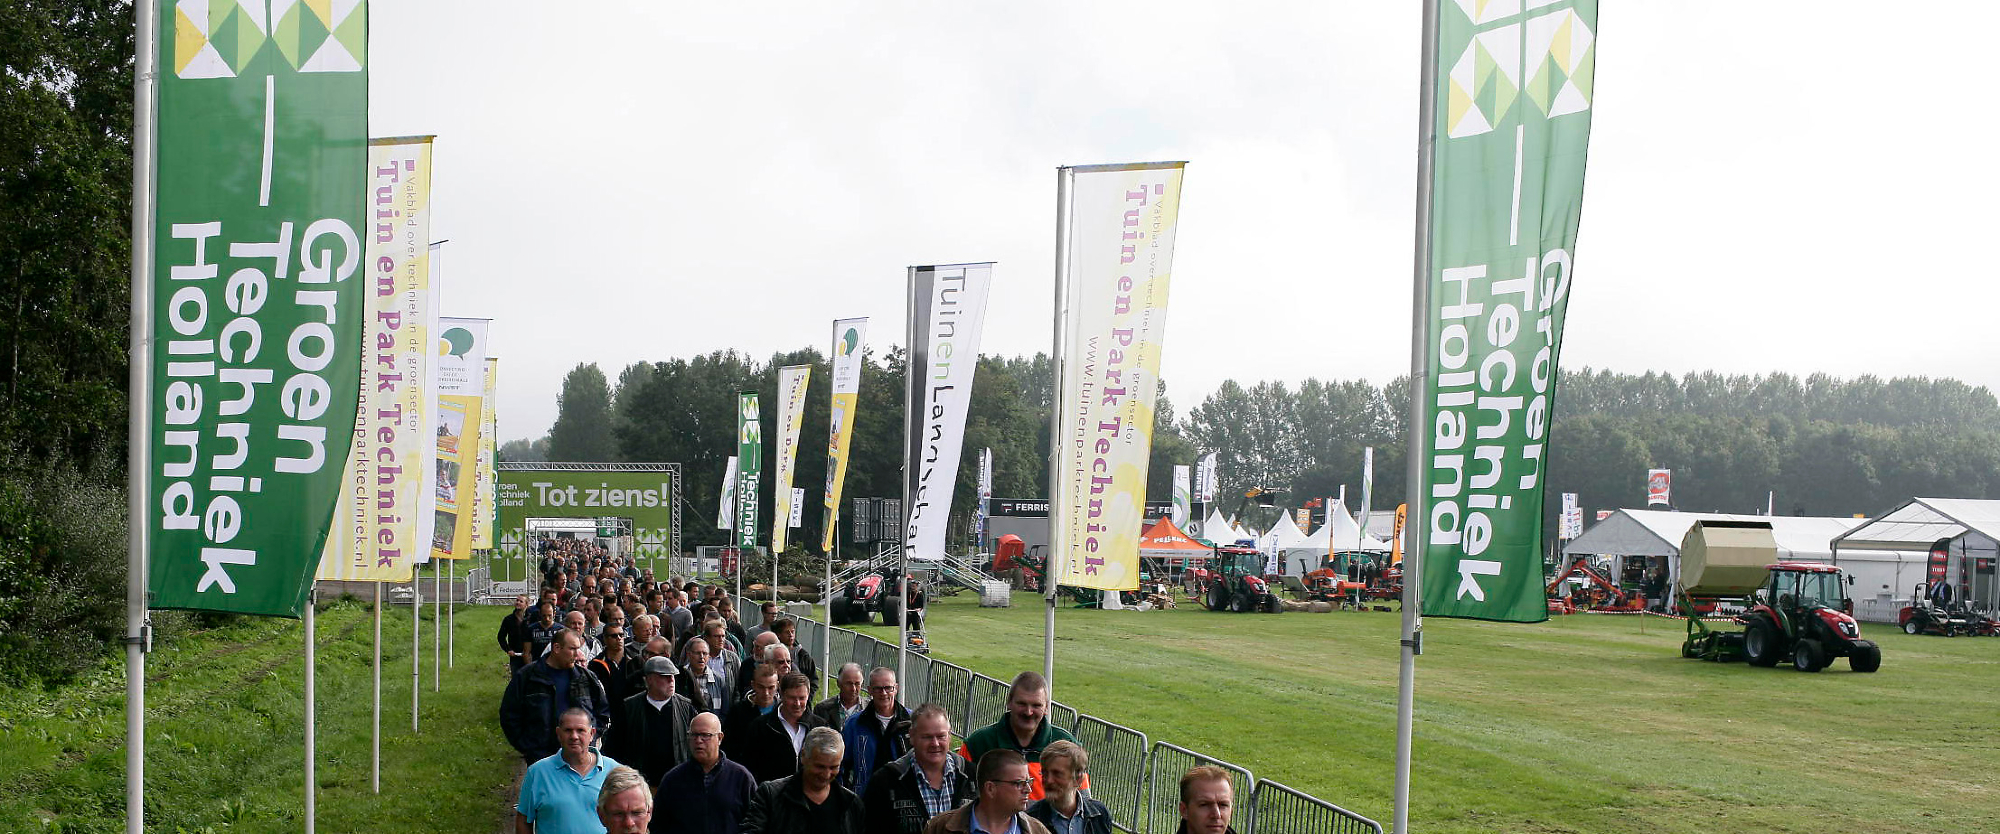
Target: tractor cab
[(1798, 588)]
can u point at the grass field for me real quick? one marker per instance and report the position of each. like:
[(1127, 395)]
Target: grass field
[(1583, 724)]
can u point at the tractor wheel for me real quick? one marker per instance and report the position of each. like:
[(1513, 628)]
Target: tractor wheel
[(1865, 658), (837, 610), (1240, 602), (892, 610), (1688, 650), (1216, 597), (1807, 656), (1272, 605), (1760, 643), (1910, 626)]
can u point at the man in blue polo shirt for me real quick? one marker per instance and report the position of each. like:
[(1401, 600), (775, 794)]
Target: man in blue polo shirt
[(559, 794)]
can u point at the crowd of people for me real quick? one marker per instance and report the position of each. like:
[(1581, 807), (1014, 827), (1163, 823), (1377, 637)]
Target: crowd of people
[(646, 706)]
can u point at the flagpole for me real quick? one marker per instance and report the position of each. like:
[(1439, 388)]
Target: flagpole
[(311, 700), (416, 641), (1056, 542), (139, 383), (1412, 633), (911, 405), (437, 631), (375, 737), (451, 614)]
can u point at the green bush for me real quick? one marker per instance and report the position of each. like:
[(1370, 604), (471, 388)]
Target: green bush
[(62, 571)]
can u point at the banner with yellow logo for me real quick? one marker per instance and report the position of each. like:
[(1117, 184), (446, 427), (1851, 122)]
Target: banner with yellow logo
[(848, 337), (1118, 255), (483, 492), (460, 371)]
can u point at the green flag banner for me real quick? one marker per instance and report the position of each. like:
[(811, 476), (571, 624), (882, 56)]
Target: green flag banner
[(1513, 119), (749, 465), (257, 297)]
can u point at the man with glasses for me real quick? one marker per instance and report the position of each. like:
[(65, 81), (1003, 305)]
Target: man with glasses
[(1000, 807), (879, 735), (708, 793), (907, 793)]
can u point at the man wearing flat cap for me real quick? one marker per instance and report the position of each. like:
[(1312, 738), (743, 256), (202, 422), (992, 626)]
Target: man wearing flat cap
[(649, 730)]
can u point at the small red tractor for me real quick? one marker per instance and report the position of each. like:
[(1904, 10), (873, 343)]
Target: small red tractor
[(1235, 582), (1791, 610)]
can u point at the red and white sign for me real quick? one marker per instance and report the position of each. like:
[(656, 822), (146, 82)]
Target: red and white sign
[(1659, 487)]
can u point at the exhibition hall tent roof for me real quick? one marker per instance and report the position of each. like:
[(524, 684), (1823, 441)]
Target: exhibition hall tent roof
[(1919, 522), (1659, 533)]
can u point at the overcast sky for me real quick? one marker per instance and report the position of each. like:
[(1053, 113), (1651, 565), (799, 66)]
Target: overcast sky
[(1771, 187)]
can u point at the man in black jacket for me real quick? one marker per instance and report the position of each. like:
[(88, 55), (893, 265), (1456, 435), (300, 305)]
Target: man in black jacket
[(708, 793), (811, 802), (513, 635), (760, 702), (772, 749), (650, 730), (542, 690), (906, 793)]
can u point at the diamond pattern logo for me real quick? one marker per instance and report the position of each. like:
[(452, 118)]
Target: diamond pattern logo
[(321, 35), (1488, 79), (1566, 56), (1484, 82), (217, 38)]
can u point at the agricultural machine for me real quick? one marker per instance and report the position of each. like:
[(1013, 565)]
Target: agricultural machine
[(1796, 611), (1599, 592), (1235, 582), (1928, 616), (871, 593), (1352, 578)]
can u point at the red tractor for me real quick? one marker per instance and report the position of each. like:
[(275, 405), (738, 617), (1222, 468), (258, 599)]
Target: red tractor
[(1236, 582), (1801, 613)]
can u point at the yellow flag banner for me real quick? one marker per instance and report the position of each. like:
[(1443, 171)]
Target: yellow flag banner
[(460, 355), (483, 474), (375, 537), (1117, 252), (849, 336)]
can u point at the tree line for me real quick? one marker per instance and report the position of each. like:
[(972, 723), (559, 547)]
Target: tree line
[(1813, 445)]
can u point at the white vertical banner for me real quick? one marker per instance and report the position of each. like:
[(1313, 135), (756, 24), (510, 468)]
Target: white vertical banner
[(1182, 494), (948, 312), (1572, 516), (792, 383), (980, 513), (725, 516), (1367, 487), (1117, 264), (1204, 490)]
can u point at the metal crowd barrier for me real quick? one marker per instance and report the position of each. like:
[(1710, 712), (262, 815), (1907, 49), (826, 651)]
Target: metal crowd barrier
[(1118, 761), (1277, 809), (1137, 779), (950, 686), (1168, 762), (988, 701), (1063, 715), (916, 682)]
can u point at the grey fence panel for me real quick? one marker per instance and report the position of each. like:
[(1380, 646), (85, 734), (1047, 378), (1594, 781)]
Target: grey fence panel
[(885, 654), (1169, 762), (950, 686), (988, 702), (843, 648), (916, 682), (1276, 809), (1117, 769), (1063, 715)]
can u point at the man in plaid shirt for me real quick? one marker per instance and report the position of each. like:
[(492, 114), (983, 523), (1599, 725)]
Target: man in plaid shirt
[(906, 793)]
